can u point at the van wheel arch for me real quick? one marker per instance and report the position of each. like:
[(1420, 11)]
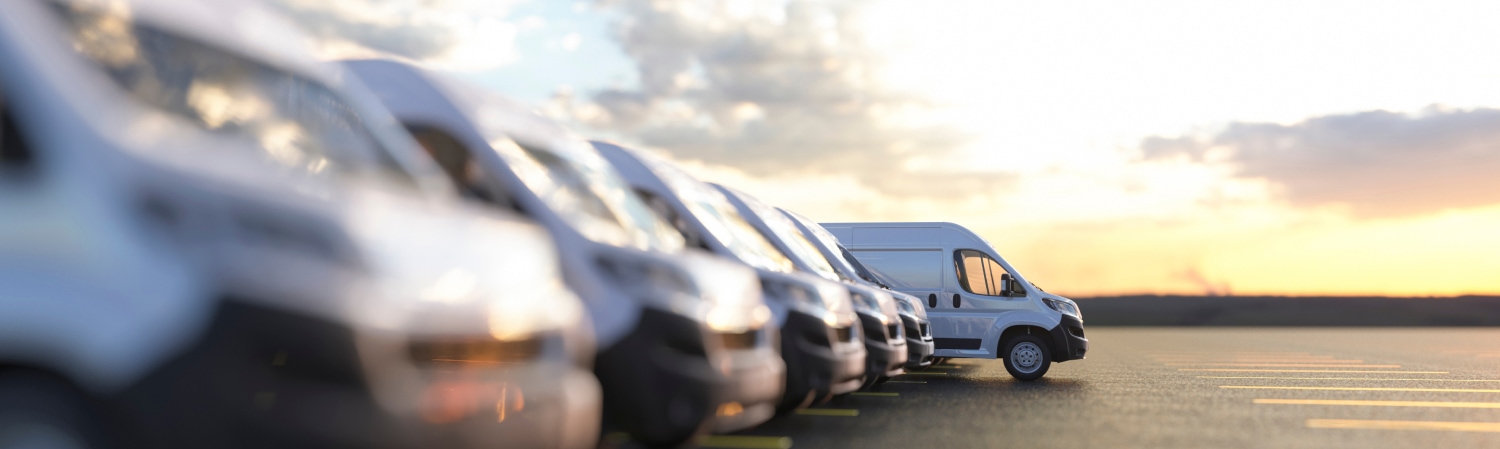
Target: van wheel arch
[(33, 396), (1012, 332)]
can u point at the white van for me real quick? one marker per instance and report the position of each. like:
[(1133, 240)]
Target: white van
[(914, 320), (980, 306), (885, 342), (820, 338), (686, 341), (210, 239)]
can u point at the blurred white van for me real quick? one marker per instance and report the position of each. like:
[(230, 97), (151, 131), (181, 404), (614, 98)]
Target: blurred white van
[(820, 335), (980, 306), (885, 342), (210, 239), (685, 338), (914, 320)]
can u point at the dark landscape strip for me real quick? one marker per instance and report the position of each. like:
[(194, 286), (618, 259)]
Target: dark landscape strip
[(1151, 310)]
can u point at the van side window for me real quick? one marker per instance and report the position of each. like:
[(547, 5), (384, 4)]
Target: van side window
[(978, 273)]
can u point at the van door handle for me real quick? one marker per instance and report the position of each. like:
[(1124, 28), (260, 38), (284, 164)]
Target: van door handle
[(955, 300), (932, 300)]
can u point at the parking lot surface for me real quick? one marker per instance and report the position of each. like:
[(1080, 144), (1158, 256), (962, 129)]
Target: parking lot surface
[(1185, 388)]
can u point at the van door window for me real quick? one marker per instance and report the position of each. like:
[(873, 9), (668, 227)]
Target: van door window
[(978, 273)]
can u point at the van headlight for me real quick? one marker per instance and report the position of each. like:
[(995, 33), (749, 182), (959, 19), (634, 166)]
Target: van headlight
[(1065, 306)]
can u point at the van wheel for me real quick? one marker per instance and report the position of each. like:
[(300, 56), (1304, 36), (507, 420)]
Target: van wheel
[(1027, 357), (37, 410)]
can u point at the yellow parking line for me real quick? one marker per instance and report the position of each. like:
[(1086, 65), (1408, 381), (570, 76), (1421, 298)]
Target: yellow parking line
[(874, 393), (1425, 390), (1450, 426), (1349, 378), (1379, 403), (1228, 370), (926, 373), (745, 442), (905, 382), (1288, 365), (1205, 362), (828, 412)]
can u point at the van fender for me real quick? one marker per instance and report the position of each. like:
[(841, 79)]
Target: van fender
[(1008, 320)]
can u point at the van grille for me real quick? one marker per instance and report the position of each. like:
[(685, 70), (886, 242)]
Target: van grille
[(458, 352), (740, 340), (923, 328), (892, 330), (844, 333)]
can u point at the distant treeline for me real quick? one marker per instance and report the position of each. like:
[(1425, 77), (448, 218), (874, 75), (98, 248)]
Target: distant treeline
[(1152, 310)]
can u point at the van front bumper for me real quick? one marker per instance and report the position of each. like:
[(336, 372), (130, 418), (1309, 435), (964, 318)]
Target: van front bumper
[(658, 381), (1068, 342), (264, 377), (919, 346), (819, 360), (885, 355), (755, 378)]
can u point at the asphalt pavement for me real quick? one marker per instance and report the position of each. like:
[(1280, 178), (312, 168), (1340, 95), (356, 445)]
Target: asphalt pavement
[(1184, 388)]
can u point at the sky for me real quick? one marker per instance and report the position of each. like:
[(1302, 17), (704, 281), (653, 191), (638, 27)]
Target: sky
[(1104, 148)]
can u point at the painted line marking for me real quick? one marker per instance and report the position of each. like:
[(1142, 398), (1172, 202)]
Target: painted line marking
[(847, 412), (1450, 426), (745, 442), (1350, 378), (905, 381), (1379, 403), (1205, 362), (924, 373), (1287, 365), (874, 393), (1424, 390), (1226, 370)]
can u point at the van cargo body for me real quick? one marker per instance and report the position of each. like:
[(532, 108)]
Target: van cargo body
[(980, 306)]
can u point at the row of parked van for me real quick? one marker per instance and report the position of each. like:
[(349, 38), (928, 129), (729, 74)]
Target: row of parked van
[(208, 238)]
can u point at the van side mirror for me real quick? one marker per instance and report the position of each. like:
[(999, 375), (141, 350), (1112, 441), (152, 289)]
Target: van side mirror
[(1011, 287)]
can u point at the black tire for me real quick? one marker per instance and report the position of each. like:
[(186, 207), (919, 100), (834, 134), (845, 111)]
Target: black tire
[(38, 409), (1027, 357)]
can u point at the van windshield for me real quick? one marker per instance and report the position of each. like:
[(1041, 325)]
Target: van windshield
[(829, 245), (721, 219), (785, 231), (580, 187), (866, 273), (297, 122)]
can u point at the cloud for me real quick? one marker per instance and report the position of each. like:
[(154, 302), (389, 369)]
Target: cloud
[(772, 88), (448, 34), (1377, 163)]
